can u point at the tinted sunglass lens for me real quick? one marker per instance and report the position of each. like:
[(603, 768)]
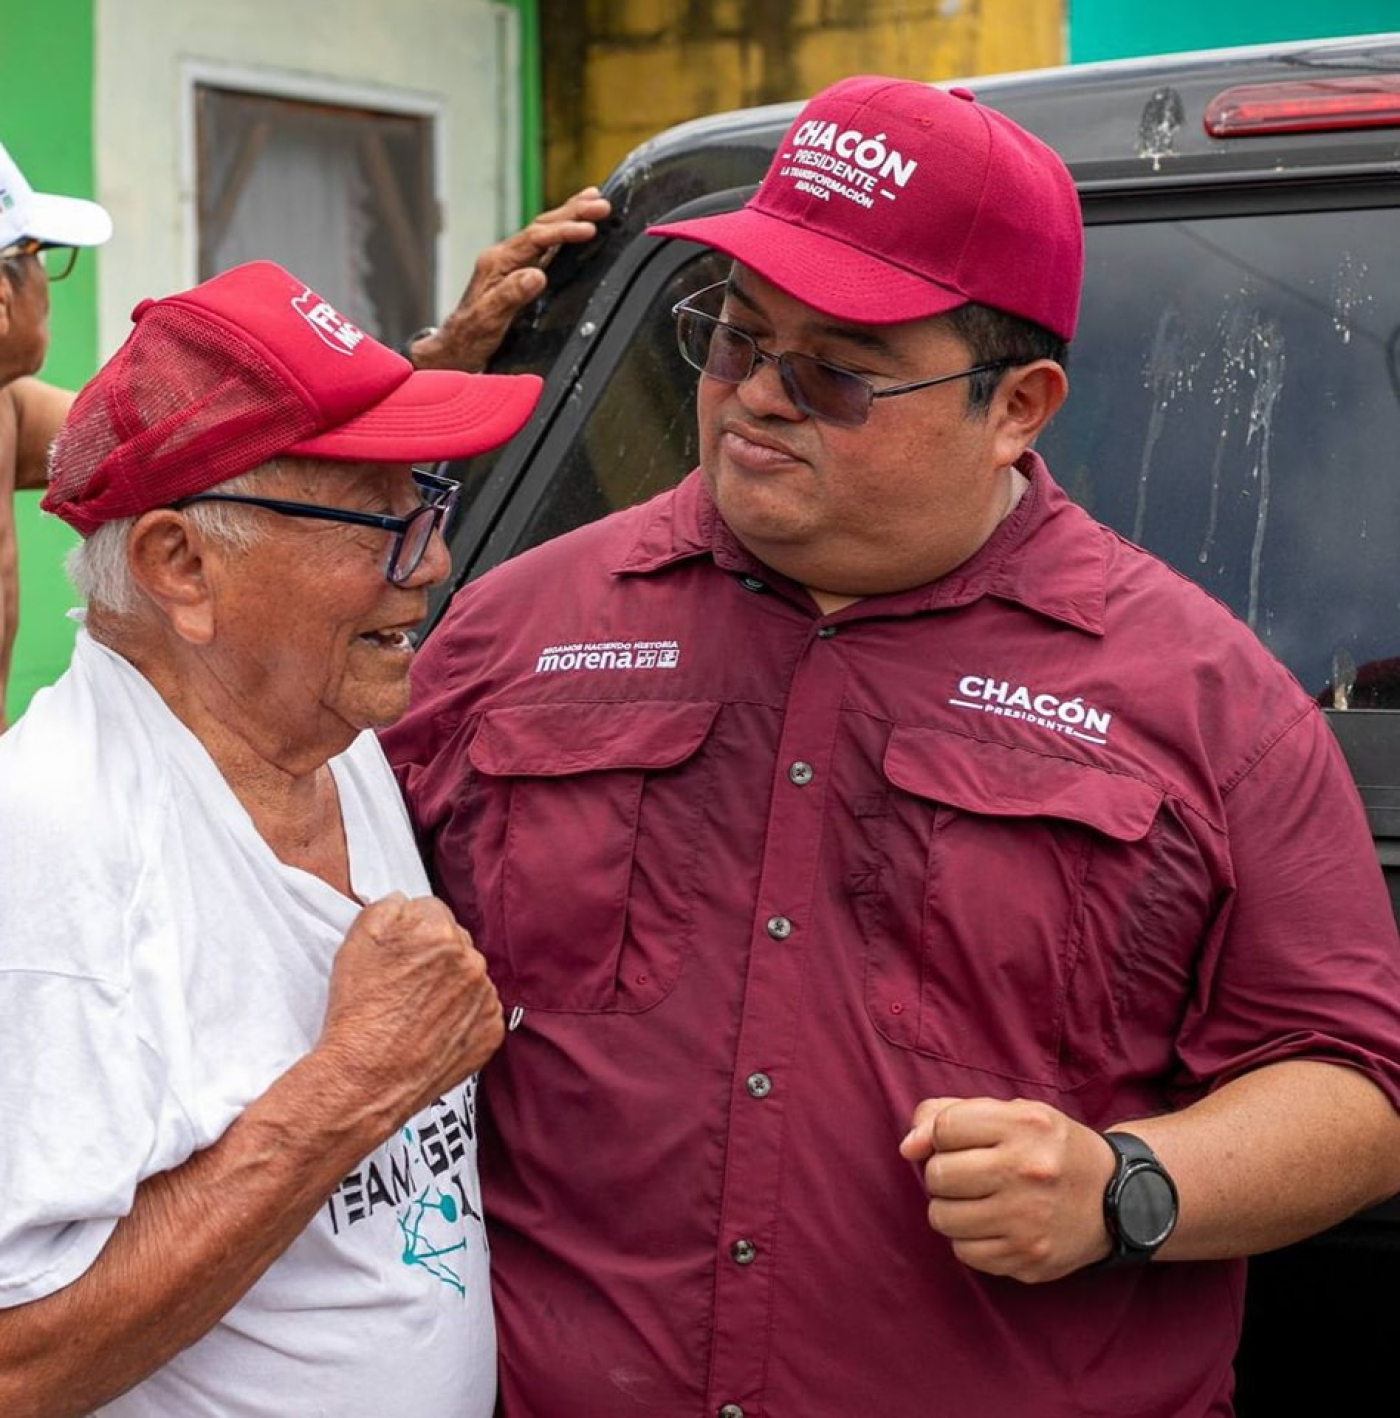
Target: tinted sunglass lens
[(694, 341), (831, 395), (726, 353), (731, 356), (714, 348)]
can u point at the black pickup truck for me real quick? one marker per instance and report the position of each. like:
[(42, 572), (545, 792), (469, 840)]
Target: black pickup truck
[(1235, 408)]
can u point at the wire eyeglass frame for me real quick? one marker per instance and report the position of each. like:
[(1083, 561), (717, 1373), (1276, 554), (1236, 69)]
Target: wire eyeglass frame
[(820, 390)]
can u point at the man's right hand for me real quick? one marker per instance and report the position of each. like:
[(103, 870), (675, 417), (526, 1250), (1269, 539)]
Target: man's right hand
[(411, 1009), (506, 278)]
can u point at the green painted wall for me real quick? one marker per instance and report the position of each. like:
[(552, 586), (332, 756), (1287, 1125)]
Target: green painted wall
[(46, 123), (1111, 29), (531, 110)]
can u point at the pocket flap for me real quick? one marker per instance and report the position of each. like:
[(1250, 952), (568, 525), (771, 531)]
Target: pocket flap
[(1001, 780), (556, 740)]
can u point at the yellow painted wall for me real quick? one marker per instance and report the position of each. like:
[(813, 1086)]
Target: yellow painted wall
[(616, 72)]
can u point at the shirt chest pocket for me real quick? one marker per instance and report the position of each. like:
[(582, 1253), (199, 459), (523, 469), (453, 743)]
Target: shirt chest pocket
[(999, 919), (584, 855)]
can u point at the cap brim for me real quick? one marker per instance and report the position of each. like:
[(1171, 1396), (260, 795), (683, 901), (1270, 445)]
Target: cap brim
[(66, 221), (818, 270), (434, 414)]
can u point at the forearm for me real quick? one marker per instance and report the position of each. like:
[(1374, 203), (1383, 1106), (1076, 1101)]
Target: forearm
[(196, 1239), (9, 604), (1276, 1155)]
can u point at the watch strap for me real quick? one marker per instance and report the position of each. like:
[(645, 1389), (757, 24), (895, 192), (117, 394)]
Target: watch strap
[(1132, 1156)]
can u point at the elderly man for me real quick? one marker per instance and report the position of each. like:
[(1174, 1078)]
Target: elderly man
[(943, 941), (40, 236), (237, 1141)]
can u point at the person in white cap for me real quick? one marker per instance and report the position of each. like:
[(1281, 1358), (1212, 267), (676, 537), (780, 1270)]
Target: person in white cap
[(40, 237), (240, 1038), (941, 941)]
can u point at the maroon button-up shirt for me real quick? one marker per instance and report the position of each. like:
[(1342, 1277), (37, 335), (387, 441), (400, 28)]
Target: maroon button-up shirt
[(755, 881)]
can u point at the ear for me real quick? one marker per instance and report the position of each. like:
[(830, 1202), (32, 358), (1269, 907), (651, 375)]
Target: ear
[(169, 561), (1027, 398), (7, 297)]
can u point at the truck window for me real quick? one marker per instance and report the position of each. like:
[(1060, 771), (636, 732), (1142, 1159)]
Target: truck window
[(640, 436), (1234, 407)]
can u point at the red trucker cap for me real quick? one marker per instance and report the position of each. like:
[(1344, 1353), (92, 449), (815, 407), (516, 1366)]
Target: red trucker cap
[(250, 365), (893, 200)]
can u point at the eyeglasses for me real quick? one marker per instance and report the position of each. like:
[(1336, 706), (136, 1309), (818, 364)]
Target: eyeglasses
[(818, 389), (411, 534), (57, 261)]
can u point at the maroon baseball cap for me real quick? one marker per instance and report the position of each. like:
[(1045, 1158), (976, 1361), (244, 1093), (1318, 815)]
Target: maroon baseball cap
[(893, 200), (249, 366)]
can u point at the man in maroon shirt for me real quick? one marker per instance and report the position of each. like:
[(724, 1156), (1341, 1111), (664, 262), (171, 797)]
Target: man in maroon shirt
[(942, 941)]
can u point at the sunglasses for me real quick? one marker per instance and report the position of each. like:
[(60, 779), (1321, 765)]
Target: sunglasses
[(57, 261), (411, 534), (820, 390)]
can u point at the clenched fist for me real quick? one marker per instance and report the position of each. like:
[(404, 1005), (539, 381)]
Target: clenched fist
[(1016, 1186), (411, 1010)]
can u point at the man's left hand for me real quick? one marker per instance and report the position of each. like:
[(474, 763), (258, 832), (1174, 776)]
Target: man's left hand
[(1017, 1187)]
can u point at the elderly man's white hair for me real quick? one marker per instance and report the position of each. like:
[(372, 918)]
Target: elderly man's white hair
[(98, 567)]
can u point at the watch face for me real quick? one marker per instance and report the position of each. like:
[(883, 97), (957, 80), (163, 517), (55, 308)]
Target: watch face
[(1146, 1208)]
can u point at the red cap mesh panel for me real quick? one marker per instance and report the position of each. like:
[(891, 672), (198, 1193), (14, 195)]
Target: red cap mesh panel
[(184, 405)]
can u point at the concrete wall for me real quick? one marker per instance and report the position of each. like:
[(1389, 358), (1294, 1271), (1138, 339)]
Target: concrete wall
[(618, 71)]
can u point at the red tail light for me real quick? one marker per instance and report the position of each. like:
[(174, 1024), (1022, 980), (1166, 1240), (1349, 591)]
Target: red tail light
[(1310, 106)]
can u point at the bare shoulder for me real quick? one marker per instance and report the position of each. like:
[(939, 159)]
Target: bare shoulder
[(37, 410)]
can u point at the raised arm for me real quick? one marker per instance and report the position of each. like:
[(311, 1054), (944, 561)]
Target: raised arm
[(506, 278)]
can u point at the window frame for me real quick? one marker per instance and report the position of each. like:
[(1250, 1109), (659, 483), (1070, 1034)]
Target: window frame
[(322, 91)]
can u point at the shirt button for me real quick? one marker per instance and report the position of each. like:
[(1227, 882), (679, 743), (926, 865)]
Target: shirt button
[(730, 1410), (759, 1084), (801, 773), (779, 927), (743, 1252), (752, 583), (825, 632)]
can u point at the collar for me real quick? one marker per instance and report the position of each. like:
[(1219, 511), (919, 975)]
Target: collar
[(1048, 555)]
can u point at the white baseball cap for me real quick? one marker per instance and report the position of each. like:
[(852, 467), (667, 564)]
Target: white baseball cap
[(56, 221)]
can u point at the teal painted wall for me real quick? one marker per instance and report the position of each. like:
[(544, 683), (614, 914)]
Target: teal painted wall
[(46, 123), (1111, 29)]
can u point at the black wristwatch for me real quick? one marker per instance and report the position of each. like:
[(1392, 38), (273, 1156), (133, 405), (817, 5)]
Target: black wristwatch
[(1139, 1202)]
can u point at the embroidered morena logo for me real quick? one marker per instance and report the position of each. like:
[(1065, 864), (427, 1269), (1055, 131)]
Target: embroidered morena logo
[(825, 159), (1046, 711), (609, 655), (331, 327)]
